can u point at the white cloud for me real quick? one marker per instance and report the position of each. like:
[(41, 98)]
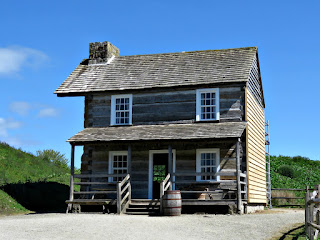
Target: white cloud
[(48, 112), (6, 124), (21, 108), (14, 58)]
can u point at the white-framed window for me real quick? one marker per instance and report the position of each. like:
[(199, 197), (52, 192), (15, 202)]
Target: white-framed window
[(121, 109), (118, 164), (208, 161), (207, 104)]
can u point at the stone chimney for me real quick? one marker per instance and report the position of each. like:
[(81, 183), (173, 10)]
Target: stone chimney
[(102, 52)]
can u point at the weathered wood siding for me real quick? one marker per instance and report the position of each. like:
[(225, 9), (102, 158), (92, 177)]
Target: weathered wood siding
[(95, 159), (165, 106), (255, 144), (254, 83)]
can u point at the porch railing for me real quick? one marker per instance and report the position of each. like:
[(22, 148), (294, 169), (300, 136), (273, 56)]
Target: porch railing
[(96, 184), (164, 186), (97, 190), (123, 187), (239, 184)]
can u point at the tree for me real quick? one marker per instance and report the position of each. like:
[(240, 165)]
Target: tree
[(56, 158)]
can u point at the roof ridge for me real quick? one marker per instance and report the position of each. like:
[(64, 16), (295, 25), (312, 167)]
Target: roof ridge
[(195, 51)]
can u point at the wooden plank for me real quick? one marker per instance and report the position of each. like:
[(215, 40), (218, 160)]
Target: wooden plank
[(257, 174), (98, 175), (91, 201), (127, 177), (125, 198), (126, 187), (217, 191), (287, 189), (194, 202), (95, 192), (205, 182), (287, 197), (94, 183), (193, 174)]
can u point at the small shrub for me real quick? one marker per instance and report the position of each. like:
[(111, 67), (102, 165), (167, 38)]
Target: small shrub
[(287, 171)]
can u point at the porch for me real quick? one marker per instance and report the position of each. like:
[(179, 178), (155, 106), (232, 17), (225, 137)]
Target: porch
[(205, 161), (228, 187)]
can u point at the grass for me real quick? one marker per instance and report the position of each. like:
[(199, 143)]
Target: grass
[(17, 166), (293, 172), (296, 232), (9, 206), (306, 172)]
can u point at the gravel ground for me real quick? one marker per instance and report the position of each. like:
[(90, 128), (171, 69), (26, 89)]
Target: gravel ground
[(99, 226)]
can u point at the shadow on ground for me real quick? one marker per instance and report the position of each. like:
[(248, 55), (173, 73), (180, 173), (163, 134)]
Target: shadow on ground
[(294, 234), (40, 197)]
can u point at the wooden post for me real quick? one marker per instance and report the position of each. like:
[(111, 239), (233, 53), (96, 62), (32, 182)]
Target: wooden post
[(161, 189), (129, 189), (170, 160), (306, 215), (129, 159), (119, 197), (72, 173), (239, 202)]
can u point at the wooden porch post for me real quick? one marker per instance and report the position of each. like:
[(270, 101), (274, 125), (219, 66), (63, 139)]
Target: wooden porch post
[(239, 200), (72, 173), (129, 159), (170, 160)]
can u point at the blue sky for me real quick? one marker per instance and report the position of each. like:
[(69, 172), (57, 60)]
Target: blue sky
[(42, 42)]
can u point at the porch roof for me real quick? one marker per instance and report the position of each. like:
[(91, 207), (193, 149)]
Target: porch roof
[(160, 132)]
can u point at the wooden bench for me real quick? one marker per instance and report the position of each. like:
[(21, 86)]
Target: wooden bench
[(75, 205)]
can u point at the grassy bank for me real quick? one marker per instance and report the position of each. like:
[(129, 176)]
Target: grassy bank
[(293, 172), (22, 170)]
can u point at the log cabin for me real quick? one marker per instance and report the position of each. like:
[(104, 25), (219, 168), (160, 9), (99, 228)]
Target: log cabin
[(190, 121)]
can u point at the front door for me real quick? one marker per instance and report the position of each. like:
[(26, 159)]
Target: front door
[(160, 171)]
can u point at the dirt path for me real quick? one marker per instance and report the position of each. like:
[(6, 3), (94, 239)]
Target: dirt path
[(99, 226)]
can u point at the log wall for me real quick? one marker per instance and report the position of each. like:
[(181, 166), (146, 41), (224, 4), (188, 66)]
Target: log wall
[(165, 106)]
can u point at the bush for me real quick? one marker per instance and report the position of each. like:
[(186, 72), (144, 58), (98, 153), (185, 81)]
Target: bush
[(287, 171)]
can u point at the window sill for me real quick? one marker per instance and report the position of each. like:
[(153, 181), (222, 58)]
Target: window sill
[(122, 125), (207, 121)]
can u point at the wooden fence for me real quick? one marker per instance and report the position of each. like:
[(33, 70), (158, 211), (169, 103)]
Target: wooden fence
[(288, 197), (312, 213)]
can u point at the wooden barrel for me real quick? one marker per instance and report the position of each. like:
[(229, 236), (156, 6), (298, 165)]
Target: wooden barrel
[(172, 203)]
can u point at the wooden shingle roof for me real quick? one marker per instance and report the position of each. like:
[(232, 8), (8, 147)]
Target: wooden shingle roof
[(160, 132), (161, 71)]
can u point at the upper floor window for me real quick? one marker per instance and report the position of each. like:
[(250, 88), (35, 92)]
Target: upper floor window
[(121, 109), (207, 104)]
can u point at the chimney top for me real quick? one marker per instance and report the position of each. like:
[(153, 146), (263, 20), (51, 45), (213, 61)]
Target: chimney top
[(102, 52)]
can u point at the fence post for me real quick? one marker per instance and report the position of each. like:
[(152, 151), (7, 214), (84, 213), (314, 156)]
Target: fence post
[(306, 212), (119, 197)]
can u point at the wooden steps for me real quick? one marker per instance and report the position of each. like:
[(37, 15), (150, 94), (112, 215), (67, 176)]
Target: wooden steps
[(144, 207)]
